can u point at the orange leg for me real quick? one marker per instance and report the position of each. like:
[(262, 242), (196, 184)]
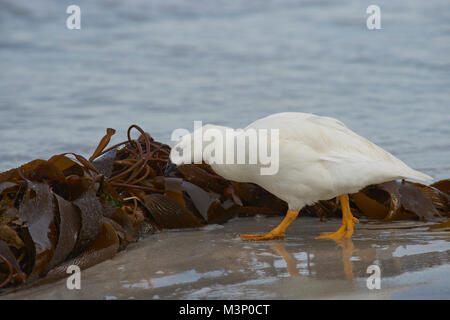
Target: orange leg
[(276, 233), (348, 222)]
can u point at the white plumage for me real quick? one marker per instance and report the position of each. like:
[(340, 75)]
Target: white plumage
[(320, 158)]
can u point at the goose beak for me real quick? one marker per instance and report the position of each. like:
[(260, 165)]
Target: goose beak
[(171, 169)]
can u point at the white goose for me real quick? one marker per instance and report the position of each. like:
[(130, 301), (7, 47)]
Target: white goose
[(319, 159)]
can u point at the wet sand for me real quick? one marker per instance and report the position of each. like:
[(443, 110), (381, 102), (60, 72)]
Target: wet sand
[(214, 263)]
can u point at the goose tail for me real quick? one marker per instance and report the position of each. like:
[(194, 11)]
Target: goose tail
[(417, 175)]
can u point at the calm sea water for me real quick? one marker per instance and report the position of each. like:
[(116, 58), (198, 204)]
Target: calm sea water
[(163, 64)]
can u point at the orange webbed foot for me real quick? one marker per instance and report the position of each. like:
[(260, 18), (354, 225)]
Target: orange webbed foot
[(345, 231), (348, 222), (277, 233), (263, 236)]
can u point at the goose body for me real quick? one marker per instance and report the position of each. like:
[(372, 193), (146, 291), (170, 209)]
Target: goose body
[(319, 159)]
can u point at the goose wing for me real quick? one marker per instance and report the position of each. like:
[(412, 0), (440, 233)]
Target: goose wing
[(343, 152)]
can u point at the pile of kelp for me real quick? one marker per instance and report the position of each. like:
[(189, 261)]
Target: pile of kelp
[(71, 210)]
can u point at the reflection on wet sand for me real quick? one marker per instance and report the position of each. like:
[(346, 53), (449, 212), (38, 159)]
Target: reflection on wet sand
[(347, 253), (214, 263), (291, 264)]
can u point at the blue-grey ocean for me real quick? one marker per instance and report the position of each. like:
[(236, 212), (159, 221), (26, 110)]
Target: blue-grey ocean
[(164, 63)]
